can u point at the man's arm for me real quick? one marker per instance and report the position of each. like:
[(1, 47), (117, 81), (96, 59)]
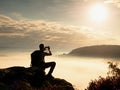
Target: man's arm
[(49, 52)]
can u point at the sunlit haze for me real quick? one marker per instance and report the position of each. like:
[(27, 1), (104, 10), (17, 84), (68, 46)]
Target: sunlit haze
[(79, 71), (98, 12), (63, 25)]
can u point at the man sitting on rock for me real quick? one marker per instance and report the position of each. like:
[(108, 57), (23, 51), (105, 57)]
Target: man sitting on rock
[(37, 59)]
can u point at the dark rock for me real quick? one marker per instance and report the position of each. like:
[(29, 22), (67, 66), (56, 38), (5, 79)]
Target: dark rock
[(32, 78)]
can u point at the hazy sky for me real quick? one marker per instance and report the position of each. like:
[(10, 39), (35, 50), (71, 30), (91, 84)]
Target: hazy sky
[(62, 24)]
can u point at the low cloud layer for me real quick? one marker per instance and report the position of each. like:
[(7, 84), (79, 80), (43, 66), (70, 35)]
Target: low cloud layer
[(28, 33), (115, 2)]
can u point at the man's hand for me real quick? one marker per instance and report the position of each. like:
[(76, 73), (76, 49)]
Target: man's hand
[(48, 48)]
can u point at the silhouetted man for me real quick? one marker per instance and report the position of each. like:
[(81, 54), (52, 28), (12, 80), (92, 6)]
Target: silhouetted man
[(37, 59)]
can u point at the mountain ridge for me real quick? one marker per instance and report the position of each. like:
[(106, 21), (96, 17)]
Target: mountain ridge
[(97, 51)]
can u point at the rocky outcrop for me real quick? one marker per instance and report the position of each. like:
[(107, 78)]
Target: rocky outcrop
[(33, 78)]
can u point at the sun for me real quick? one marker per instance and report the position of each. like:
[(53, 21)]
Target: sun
[(98, 12)]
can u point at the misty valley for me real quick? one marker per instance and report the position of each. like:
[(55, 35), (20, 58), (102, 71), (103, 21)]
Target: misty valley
[(78, 70)]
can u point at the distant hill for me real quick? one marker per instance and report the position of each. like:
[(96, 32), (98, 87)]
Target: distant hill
[(111, 51)]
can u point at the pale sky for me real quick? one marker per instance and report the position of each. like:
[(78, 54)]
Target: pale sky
[(61, 24)]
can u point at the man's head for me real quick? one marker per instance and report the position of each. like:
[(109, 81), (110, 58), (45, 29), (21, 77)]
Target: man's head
[(41, 46)]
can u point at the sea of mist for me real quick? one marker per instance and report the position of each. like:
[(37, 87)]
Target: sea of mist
[(77, 70)]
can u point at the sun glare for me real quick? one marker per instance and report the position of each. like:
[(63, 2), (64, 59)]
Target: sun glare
[(98, 12)]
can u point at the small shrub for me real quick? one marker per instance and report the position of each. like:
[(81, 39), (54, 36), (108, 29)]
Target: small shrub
[(110, 82)]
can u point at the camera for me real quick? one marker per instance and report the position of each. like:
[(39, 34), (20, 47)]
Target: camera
[(47, 47)]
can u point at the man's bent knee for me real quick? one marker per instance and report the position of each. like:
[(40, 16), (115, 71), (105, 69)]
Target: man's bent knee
[(54, 63)]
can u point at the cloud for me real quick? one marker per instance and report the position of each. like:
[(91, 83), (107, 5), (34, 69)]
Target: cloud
[(115, 2), (11, 34), (28, 33), (3, 55)]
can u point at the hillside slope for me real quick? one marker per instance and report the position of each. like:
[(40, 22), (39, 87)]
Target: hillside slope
[(97, 51)]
